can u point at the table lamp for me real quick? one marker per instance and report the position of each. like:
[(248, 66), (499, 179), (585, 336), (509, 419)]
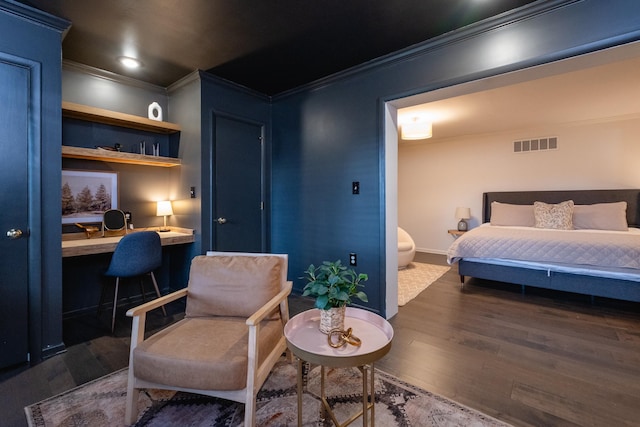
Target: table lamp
[(463, 214), (164, 209)]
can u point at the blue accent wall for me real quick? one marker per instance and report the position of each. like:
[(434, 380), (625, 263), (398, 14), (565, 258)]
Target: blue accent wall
[(320, 137), (329, 134)]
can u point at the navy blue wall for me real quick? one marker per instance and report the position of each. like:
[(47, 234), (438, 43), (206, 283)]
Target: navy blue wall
[(329, 134), (322, 137), (36, 37)]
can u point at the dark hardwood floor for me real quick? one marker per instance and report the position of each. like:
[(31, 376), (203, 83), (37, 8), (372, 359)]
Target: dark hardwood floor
[(538, 359)]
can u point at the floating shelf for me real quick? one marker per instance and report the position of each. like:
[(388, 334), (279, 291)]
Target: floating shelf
[(118, 157), (98, 115)]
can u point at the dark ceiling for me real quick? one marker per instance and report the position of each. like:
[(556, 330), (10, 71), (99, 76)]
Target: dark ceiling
[(266, 45)]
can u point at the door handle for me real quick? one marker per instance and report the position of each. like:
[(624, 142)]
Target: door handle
[(14, 234), (221, 220)]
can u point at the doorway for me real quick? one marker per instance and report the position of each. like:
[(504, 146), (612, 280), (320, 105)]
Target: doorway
[(590, 62), (237, 193), (14, 175)]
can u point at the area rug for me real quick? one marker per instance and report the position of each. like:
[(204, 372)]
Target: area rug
[(101, 403), (415, 278)]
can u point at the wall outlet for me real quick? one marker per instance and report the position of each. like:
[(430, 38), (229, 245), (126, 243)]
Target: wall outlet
[(353, 259)]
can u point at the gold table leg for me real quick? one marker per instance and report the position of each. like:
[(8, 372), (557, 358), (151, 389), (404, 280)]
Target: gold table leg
[(368, 399), (299, 392), (365, 396), (373, 397)]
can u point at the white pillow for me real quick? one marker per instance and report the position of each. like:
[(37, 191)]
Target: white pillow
[(601, 216), (507, 214)]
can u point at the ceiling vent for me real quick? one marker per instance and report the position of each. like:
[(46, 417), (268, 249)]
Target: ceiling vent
[(535, 144)]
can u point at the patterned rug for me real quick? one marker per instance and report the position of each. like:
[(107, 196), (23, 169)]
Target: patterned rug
[(415, 278), (101, 403)]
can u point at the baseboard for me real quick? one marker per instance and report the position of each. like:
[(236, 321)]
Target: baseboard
[(431, 251)]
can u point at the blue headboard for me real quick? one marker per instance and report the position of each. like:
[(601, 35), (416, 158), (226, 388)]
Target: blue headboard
[(579, 197)]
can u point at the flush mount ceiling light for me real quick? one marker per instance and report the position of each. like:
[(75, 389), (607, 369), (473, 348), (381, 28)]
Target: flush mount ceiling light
[(129, 62), (416, 130)]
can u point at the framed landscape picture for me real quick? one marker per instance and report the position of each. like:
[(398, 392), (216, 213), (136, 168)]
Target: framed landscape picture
[(86, 195)]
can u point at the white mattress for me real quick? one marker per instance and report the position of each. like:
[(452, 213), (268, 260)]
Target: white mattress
[(588, 248)]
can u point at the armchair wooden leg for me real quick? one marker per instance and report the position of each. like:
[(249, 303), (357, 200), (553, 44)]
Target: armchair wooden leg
[(250, 411), (131, 409)]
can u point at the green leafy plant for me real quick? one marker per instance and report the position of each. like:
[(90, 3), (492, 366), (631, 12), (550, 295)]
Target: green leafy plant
[(333, 284)]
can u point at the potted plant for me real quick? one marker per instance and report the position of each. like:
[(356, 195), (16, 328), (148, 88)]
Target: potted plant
[(333, 285)]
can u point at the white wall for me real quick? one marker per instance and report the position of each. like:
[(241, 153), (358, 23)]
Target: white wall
[(434, 178)]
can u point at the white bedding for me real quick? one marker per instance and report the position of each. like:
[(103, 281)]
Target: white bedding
[(594, 252)]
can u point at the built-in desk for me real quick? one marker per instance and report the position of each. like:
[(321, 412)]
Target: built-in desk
[(77, 244)]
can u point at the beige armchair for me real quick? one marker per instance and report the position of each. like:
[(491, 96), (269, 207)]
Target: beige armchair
[(230, 338)]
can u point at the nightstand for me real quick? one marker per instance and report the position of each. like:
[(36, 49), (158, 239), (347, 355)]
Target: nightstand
[(456, 233)]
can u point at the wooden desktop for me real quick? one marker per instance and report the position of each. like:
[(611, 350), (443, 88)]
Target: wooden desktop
[(77, 244)]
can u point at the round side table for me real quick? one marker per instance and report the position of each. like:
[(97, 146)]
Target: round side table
[(307, 343)]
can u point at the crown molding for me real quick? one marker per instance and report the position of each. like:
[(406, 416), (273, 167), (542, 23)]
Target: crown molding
[(108, 75), (193, 76), (232, 85), (419, 49), (32, 14)]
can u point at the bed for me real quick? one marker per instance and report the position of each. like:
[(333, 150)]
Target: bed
[(611, 270)]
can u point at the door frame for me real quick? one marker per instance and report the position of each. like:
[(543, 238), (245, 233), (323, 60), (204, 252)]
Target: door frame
[(209, 165)]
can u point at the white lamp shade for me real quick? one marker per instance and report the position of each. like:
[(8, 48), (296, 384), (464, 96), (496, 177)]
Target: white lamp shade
[(416, 130), (463, 213), (164, 208)]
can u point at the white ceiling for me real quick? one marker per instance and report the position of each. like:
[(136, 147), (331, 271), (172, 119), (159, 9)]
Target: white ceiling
[(597, 86)]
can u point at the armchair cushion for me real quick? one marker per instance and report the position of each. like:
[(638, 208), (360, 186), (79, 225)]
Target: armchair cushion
[(232, 285), (203, 353)]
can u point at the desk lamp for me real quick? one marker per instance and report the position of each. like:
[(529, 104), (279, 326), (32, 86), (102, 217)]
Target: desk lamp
[(164, 209)]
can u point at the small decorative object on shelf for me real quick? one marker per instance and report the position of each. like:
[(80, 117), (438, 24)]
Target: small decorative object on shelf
[(89, 230), (155, 111), (333, 285), (116, 147)]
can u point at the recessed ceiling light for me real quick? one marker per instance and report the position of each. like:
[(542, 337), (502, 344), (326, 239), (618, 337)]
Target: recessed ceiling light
[(129, 62)]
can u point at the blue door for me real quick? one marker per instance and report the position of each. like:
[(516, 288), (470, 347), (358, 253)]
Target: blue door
[(14, 213), (237, 192)]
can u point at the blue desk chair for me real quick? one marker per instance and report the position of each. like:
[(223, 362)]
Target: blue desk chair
[(136, 255)]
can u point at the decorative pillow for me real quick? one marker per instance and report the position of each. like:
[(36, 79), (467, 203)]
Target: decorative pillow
[(508, 214), (232, 285), (601, 216), (558, 216)]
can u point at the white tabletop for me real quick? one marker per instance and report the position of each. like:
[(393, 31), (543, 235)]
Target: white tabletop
[(307, 342)]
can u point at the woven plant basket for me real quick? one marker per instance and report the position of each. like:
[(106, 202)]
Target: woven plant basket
[(332, 318)]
